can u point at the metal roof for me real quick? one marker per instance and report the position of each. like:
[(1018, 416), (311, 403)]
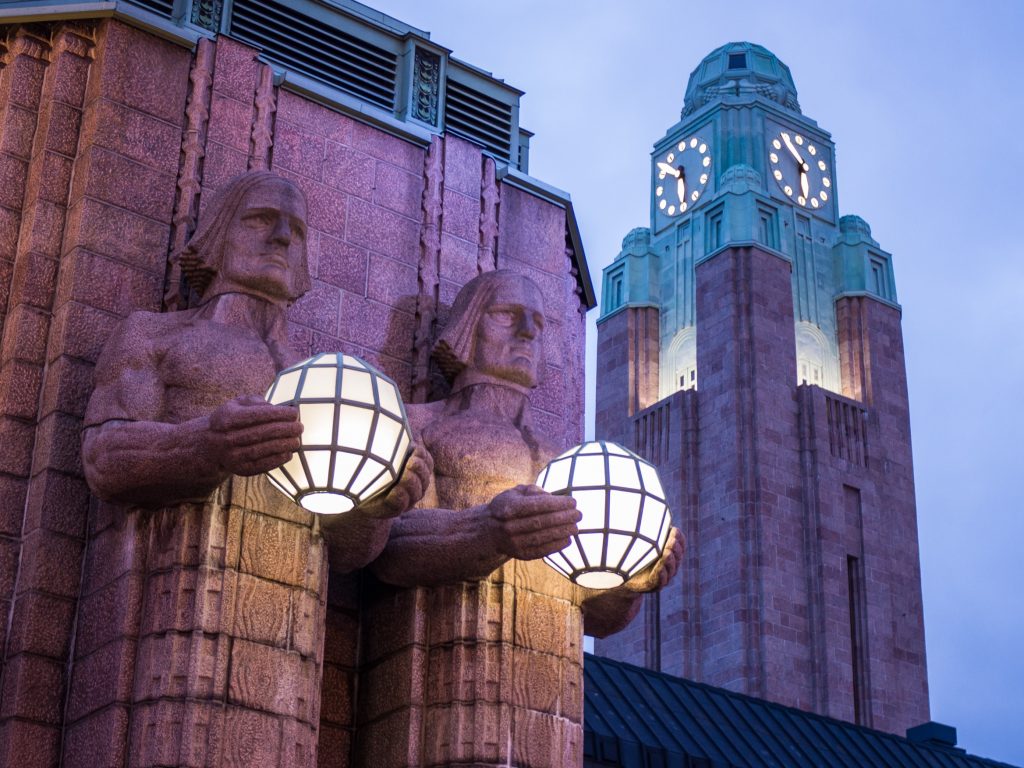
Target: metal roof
[(637, 718)]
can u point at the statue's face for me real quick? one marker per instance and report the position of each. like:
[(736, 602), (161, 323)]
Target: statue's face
[(509, 336), (265, 241)]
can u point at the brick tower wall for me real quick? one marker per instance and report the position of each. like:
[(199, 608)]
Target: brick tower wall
[(801, 582), (627, 348), (111, 142)]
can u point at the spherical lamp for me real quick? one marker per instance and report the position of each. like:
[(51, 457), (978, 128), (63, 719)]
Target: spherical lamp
[(356, 436), (626, 521)]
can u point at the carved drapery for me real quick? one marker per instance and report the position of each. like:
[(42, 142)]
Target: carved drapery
[(193, 149), (428, 277)]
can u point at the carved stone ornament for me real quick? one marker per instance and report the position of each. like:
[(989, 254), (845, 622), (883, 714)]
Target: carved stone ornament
[(426, 85), (207, 14)]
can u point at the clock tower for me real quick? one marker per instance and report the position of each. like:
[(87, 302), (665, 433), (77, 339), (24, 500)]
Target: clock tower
[(750, 345)]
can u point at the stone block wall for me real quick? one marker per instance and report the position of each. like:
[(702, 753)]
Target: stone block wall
[(801, 582), (150, 639)]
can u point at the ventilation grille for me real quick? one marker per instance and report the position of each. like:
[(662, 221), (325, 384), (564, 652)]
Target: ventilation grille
[(309, 46), (164, 8), (479, 117)]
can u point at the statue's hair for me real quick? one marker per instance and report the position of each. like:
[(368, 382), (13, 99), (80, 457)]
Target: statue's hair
[(202, 257), (454, 347)]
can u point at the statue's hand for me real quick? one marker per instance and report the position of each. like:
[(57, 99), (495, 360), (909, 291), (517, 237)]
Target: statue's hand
[(660, 572), (527, 522), (410, 487), (248, 435)]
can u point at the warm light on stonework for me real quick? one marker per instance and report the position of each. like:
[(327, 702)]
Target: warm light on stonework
[(356, 437), (625, 522)]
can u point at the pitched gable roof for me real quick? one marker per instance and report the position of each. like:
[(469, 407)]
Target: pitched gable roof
[(634, 717)]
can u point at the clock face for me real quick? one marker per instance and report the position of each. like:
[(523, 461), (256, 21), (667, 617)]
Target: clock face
[(681, 174), (800, 169)]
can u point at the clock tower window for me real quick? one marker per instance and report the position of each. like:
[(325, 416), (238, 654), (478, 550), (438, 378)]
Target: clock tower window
[(737, 61)]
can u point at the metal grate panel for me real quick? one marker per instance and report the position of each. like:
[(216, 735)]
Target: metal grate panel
[(164, 8), (310, 46), (480, 117)]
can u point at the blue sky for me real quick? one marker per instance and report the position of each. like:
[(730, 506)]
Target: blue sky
[(925, 104)]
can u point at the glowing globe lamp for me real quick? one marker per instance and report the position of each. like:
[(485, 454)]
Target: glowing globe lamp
[(355, 438), (626, 521)]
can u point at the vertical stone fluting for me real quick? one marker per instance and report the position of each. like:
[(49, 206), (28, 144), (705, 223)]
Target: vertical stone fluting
[(427, 273), (21, 80), (487, 252), (815, 567), (42, 612), (263, 121), (193, 149)]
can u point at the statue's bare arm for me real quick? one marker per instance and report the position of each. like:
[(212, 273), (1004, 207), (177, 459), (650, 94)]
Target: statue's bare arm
[(606, 612), (430, 545), (132, 456)]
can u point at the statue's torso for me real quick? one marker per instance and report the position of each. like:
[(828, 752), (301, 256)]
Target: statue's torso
[(203, 364)]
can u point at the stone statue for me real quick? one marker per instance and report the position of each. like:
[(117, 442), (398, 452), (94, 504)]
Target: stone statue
[(225, 659), (502, 679), (178, 405)]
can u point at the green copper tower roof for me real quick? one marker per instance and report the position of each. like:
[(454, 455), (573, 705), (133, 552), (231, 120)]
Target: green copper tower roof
[(737, 69)]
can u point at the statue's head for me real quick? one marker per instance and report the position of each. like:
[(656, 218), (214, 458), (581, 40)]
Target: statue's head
[(495, 330), (251, 240)]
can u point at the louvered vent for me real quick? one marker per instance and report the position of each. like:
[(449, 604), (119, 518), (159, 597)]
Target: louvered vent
[(480, 117), (163, 7), (312, 48)]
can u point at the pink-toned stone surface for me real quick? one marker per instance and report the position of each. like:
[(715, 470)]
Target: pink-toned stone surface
[(777, 487), (91, 138)]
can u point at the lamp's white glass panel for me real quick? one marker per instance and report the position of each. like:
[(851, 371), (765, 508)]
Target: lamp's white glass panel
[(649, 557), (557, 477), (403, 448), (616, 449), (591, 448), (637, 551), (591, 506), (617, 546), (652, 518), (650, 477), (367, 475), (599, 580), (317, 423), (285, 387), (345, 467), (357, 385), (319, 463), (574, 554), (326, 503), (592, 545), (567, 454), (388, 398), (279, 481), (386, 437), (624, 509), (351, 362), (321, 382), (666, 526), (622, 472), (386, 478), (588, 471), (354, 425), (295, 469)]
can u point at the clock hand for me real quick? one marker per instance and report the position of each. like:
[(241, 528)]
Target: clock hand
[(792, 151), (804, 185), (669, 169), (681, 188)]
